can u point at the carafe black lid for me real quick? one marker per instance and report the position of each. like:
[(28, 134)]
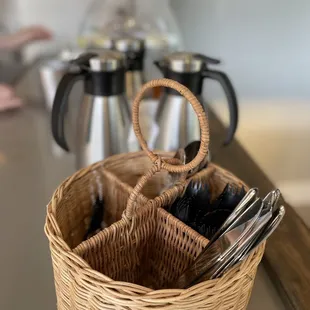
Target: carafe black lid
[(186, 62), (129, 44), (107, 61)]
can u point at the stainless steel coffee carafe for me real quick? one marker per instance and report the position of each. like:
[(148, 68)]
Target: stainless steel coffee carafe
[(176, 119), (133, 48), (103, 121)]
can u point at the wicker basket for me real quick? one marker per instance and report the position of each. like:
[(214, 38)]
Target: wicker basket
[(145, 247)]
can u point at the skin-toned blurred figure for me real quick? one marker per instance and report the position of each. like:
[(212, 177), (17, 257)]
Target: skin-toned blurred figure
[(10, 43)]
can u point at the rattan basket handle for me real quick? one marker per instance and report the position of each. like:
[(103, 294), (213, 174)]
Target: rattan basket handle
[(131, 203), (171, 164), (201, 114)]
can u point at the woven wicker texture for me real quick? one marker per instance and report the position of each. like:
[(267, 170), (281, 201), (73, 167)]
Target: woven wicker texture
[(145, 247)]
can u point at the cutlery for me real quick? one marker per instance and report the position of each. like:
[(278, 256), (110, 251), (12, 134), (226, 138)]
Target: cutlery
[(192, 205), (251, 223), (242, 246), (212, 215), (267, 230), (244, 203), (265, 226), (195, 209), (269, 202), (218, 249)]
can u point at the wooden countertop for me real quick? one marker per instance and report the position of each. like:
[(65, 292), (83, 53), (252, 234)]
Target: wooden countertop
[(287, 256)]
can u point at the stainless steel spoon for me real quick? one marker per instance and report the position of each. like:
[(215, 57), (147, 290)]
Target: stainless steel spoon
[(243, 204), (268, 230), (244, 244), (217, 250), (270, 203), (257, 236)]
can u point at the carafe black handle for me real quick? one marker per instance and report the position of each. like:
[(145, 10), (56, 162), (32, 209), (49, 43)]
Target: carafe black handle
[(225, 82), (60, 105)]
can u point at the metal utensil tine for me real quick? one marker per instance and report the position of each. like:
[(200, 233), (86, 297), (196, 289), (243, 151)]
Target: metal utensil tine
[(267, 231), (243, 204), (243, 244), (276, 199), (227, 242), (272, 198)]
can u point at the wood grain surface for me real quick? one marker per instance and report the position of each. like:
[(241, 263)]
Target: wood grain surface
[(287, 256)]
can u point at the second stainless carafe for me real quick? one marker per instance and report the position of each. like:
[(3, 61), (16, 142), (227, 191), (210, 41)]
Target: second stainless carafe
[(133, 48), (103, 120), (177, 121)]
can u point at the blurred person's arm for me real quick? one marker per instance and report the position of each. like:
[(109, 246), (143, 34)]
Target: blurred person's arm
[(15, 41), (23, 37), (8, 100)]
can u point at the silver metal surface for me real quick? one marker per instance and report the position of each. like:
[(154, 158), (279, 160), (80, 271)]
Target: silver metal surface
[(128, 44), (249, 198), (102, 129), (268, 230), (184, 62), (67, 55), (241, 226), (233, 239), (131, 47), (177, 122), (97, 126), (269, 202), (275, 198), (221, 249), (259, 234), (267, 222), (244, 245), (107, 61)]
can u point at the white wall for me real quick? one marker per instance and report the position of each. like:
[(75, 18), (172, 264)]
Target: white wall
[(63, 17), (264, 44), (265, 49), (8, 18)]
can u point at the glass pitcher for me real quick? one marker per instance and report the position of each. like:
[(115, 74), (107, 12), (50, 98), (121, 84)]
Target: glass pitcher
[(150, 20)]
